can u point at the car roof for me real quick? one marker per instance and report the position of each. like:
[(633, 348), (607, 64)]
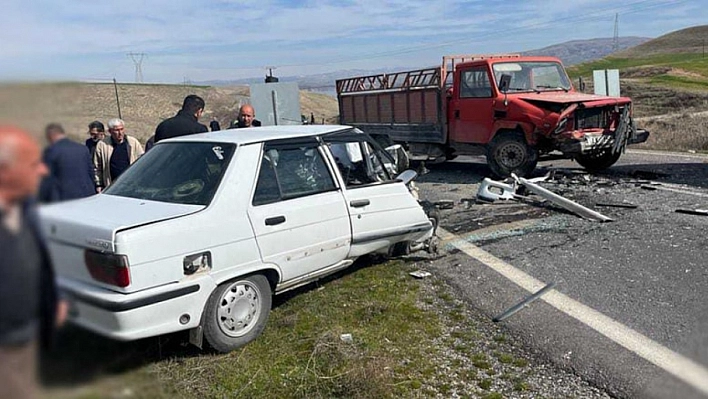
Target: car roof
[(260, 134)]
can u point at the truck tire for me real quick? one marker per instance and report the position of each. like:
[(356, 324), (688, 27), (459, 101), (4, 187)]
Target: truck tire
[(509, 153), (236, 312), (598, 161)]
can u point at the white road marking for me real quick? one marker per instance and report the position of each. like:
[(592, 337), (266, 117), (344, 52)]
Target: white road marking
[(676, 190), (668, 153), (683, 368)]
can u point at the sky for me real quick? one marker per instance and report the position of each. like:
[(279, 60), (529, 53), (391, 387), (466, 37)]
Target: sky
[(228, 39)]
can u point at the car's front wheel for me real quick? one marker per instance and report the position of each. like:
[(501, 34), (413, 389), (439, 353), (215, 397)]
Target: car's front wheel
[(237, 312)]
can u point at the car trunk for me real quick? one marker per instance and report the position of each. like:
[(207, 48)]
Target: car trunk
[(92, 223)]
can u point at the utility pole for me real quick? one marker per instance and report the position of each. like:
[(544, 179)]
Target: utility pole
[(615, 38), (138, 61), (115, 86)]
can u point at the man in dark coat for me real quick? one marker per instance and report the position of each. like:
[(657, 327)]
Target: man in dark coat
[(97, 132), (185, 122), (71, 173), (29, 310)]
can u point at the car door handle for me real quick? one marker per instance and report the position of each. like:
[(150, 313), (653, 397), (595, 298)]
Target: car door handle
[(275, 220), (457, 114), (359, 203)]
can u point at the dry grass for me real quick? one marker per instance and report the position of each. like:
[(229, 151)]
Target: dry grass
[(74, 105), (686, 132)]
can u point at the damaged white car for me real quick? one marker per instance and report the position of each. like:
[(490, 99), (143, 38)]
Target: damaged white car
[(201, 231)]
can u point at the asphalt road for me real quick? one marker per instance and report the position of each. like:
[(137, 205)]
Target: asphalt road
[(647, 270)]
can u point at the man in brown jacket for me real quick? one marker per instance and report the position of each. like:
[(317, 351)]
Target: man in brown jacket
[(114, 154)]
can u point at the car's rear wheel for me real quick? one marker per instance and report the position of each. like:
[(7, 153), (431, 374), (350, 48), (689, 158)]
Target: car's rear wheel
[(599, 160), (509, 153), (237, 312)]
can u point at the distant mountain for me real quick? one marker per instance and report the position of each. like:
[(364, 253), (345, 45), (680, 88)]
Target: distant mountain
[(572, 52), (579, 51)]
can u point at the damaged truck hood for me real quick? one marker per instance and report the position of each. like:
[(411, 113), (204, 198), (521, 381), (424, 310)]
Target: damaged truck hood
[(588, 100)]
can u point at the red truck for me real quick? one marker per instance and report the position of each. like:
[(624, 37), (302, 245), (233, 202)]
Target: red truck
[(514, 109)]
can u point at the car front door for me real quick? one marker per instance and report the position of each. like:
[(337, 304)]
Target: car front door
[(297, 210), (381, 209), (473, 106)]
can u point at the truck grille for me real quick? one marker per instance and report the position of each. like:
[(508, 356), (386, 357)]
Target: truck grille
[(591, 118)]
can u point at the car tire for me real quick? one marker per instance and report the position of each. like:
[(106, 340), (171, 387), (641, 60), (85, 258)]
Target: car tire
[(598, 161), (509, 153), (237, 312)]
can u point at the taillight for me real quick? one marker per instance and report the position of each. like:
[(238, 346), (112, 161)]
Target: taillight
[(108, 268)]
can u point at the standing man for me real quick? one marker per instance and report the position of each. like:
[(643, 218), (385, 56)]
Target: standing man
[(70, 168), (246, 118), (114, 154), (97, 133), (29, 309), (185, 122)]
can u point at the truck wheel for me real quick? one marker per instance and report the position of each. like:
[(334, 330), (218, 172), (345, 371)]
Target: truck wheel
[(598, 161), (237, 312), (509, 153)]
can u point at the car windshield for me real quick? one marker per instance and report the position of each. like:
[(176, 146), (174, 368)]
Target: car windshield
[(532, 76), (180, 173)]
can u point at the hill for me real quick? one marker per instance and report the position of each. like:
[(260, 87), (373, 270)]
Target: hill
[(689, 40), (676, 60), (142, 106)]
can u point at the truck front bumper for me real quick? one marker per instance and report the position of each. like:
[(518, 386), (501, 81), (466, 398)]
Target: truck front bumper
[(599, 142)]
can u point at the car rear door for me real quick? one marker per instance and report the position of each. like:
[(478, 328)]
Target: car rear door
[(297, 212)]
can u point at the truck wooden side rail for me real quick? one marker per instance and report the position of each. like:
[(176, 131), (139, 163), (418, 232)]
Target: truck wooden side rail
[(406, 106)]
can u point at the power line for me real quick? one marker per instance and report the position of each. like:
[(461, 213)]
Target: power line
[(138, 61)]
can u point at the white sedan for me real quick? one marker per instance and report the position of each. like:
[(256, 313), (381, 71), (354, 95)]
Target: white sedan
[(201, 231)]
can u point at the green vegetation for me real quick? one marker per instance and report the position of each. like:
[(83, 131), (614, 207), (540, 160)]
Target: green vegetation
[(690, 62)]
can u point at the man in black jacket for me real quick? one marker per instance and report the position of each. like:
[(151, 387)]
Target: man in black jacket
[(71, 173), (185, 122), (246, 118), (29, 309)]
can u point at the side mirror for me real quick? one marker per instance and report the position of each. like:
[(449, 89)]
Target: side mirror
[(504, 82), (399, 155)]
